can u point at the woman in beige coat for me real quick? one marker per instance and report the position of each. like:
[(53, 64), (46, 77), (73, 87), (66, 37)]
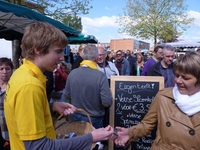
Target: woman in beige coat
[(175, 111)]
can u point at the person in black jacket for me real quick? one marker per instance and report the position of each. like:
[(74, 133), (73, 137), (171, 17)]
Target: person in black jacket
[(49, 84), (71, 57), (164, 67), (79, 59), (132, 60)]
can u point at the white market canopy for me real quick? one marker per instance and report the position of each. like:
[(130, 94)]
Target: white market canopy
[(182, 44)]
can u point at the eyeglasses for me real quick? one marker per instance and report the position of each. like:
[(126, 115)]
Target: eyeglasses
[(118, 54)]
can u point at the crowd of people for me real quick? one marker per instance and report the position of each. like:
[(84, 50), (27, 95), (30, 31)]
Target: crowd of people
[(27, 103)]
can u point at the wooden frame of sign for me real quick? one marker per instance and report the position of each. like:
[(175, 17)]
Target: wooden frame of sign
[(132, 96)]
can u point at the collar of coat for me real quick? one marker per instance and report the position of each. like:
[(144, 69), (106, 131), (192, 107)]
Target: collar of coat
[(177, 115)]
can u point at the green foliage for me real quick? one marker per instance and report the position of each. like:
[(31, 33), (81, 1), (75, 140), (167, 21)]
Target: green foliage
[(150, 19), (66, 11), (73, 22), (15, 1), (58, 9), (169, 34)]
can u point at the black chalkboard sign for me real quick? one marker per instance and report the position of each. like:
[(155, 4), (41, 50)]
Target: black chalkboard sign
[(132, 96)]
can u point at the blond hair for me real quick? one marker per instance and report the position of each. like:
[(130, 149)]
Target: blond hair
[(81, 48), (41, 36)]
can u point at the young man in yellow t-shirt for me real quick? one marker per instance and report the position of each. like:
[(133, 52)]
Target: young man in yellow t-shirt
[(26, 106)]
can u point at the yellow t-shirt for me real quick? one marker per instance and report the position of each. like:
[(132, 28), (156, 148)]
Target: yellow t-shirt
[(26, 106)]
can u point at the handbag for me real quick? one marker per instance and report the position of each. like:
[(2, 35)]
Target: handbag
[(77, 128)]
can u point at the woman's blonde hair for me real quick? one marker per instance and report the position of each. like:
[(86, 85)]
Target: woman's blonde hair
[(142, 58), (81, 48)]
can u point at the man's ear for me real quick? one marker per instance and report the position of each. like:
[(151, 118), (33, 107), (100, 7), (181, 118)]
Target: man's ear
[(106, 54), (36, 51), (96, 59), (162, 55)]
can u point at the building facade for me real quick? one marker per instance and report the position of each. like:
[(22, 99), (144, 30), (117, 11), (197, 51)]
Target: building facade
[(131, 44)]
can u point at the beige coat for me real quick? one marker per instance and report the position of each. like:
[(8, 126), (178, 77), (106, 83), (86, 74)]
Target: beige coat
[(176, 130)]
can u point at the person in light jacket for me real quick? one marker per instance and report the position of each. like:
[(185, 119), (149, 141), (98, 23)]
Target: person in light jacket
[(175, 111)]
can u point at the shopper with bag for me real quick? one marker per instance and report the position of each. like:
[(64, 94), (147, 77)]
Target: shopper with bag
[(26, 106)]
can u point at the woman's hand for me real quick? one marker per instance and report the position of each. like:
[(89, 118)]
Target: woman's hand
[(122, 136)]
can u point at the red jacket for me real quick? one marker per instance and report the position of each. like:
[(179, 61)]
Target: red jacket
[(60, 78)]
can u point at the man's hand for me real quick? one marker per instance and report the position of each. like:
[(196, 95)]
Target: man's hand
[(64, 108), (102, 134)]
